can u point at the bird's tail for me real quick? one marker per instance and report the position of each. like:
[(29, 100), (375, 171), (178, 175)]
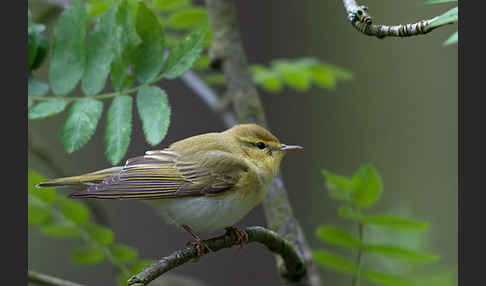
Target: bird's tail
[(94, 177)]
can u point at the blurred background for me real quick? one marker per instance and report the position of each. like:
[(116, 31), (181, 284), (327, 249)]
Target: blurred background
[(399, 113)]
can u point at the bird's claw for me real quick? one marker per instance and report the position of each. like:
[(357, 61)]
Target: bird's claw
[(241, 236), (201, 248)]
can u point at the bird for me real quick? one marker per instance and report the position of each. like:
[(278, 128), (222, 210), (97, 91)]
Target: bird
[(204, 183)]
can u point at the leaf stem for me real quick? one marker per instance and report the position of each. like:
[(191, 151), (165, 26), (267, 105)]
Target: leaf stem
[(43, 279), (99, 96)]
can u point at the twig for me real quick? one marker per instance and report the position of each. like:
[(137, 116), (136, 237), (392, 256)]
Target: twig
[(293, 264), (208, 96), (362, 21), (43, 279), (227, 52)]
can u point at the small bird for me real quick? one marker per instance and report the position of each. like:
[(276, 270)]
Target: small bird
[(203, 183)]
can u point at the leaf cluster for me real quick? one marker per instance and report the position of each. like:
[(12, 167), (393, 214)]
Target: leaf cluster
[(62, 218), (126, 43), (358, 193)]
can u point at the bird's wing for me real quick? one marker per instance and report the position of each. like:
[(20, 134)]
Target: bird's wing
[(165, 174)]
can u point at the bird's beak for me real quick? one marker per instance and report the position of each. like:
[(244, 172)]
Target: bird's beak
[(286, 148)]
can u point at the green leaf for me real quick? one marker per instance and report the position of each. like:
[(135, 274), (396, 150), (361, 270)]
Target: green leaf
[(268, 79), (184, 54), (37, 88), (201, 63), (99, 53), (367, 186), (339, 187), (323, 77), (335, 262), (98, 7), (124, 253), (118, 128), (100, 234), (337, 236), (37, 215), (81, 122), (154, 110), (41, 52), (450, 16), (30, 102), (348, 212), (295, 76), (452, 39), (61, 230), (123, 278), (88, 255), (31, 49), (68, 57), (427, 2), (386, 279), (188, 18), (395, 223), (46, 195), (47, 108), (401, 253), (126, 40), (74, 211), (150, 54), (169, 5)]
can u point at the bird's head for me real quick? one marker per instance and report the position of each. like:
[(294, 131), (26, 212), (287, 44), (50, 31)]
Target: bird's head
[(260, 146)]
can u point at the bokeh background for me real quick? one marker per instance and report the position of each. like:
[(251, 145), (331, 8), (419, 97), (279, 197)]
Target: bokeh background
[(400, 113)]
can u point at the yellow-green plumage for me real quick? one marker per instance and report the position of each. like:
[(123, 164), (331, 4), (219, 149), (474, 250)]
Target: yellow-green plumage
[(207, 181)]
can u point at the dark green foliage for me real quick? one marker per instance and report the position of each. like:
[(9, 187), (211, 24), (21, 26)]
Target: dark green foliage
[(68, 58), (100, 53), (124, 47), (62, 218), (126, 41), (298, 74), (88, 255), (188, 18), (37, 44), (150, 52), (184, 54), (118, 128), (47, 108), (124, 253), (81, 122), (361, 191), (154, 110)]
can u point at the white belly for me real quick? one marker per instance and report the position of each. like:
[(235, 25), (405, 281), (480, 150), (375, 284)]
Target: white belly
[(209, 214)]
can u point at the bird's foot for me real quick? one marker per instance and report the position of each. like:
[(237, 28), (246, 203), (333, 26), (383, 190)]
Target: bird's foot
[(201, 247), (241, 236)]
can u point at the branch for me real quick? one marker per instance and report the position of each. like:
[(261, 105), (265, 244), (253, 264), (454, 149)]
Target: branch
[(294, 265), (208, 96), (227, 52), (43, 279), (362, 21)]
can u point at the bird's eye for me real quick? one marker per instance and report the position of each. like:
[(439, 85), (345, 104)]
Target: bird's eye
[(260, 145)]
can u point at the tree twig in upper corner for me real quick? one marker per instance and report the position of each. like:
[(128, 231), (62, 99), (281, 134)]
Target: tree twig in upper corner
[(362, 21), (43, 279), (294, 266)]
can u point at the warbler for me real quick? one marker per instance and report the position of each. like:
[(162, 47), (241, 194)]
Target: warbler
[(203, 183)]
